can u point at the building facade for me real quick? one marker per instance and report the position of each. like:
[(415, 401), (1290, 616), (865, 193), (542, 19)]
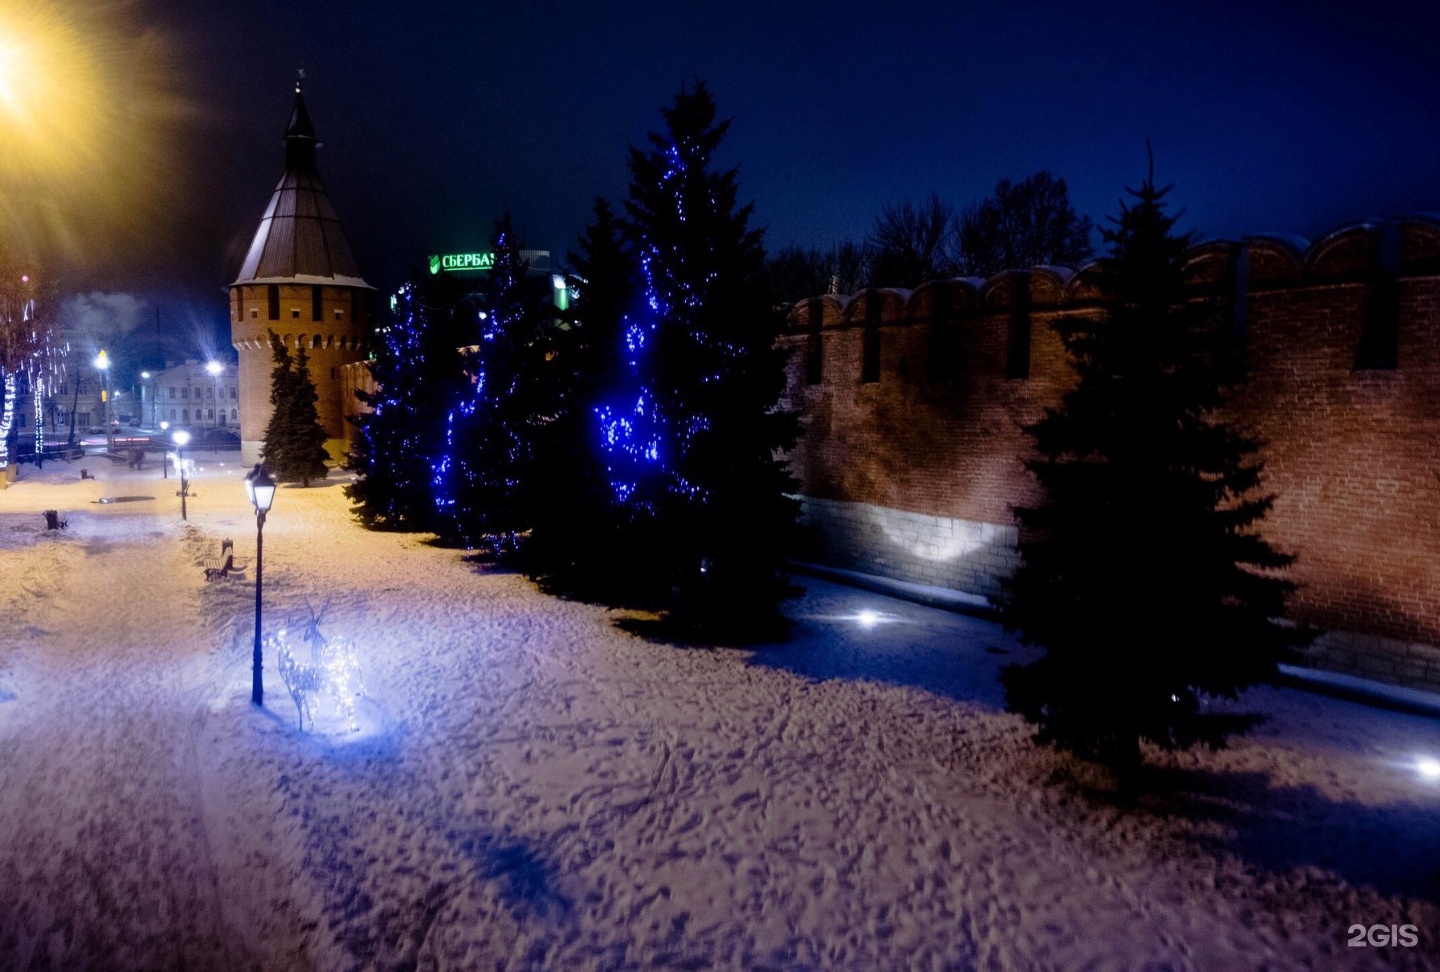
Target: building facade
[(188, 396), (300, 282), (912, 457)]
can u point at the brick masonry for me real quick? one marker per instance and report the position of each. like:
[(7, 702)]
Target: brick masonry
[(333, 330), (899, 473)]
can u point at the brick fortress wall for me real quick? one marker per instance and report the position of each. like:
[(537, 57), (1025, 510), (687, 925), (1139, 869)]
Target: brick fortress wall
[(913, 404)]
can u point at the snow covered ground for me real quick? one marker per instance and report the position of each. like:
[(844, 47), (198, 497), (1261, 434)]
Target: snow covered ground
[(532, 787)]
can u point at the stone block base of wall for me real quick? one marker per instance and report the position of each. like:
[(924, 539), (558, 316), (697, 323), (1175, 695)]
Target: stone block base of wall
[(1412, 664), (937, 551), (973, 557)]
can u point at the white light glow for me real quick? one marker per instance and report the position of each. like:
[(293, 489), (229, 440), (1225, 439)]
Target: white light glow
[(868, 619), (935, 539), (1428, 767)]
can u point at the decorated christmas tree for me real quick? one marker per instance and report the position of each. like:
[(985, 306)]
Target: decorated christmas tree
[(692, 436), (1143, 574), (420, 377), (294, 446), (577, 541), (482, 475)]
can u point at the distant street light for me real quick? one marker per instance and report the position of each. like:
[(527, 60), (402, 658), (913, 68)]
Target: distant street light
[(215, 367), (145, 380), (261, 490), (181, 437), (164, 466), (102, 365)]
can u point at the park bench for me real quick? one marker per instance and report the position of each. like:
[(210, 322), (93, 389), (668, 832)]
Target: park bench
[(223, 565)]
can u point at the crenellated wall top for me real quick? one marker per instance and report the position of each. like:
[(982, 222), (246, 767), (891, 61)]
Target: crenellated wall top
[(1271, 261)]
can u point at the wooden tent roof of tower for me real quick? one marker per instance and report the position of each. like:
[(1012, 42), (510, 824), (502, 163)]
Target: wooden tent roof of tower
[(299, 239)]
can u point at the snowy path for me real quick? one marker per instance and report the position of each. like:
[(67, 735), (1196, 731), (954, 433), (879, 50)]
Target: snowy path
[(533, 788), (100, 803)]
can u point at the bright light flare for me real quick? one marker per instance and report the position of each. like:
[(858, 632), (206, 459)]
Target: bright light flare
[(88, 110), (1428, 768), (12, 67)]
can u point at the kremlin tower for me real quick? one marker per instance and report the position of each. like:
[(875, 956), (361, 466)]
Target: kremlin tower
[(300, 281)]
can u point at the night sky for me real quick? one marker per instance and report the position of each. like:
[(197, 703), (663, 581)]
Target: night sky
[(436, 117)]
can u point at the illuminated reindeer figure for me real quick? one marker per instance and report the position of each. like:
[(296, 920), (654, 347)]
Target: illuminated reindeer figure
[(332, 668)]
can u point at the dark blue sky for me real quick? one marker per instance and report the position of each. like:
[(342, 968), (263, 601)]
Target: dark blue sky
[(1291, 118)]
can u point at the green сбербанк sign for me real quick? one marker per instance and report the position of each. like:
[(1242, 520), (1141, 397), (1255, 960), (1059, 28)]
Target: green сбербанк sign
[(453, 262)]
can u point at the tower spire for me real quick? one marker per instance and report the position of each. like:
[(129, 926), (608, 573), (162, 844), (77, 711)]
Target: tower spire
[(300, 134)]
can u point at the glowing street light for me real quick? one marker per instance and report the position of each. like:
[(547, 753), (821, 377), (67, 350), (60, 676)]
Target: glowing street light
[(260, 488), (102, 365), (181, 439), (215, 368), (144, 381)]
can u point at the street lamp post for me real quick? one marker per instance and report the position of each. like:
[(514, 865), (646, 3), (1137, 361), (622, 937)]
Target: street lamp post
[(144, 381), (164, 466), (181, 437), (215, 367), (102, 364), (261, 490)]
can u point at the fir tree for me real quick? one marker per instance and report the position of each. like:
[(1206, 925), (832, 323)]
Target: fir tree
[(577, 542), (420, 377), (1143, 576), (483, 474), (692, 439), (294, 440)]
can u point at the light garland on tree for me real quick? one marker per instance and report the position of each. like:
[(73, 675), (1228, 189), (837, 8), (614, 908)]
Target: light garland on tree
[(30, 348), (7, 417)]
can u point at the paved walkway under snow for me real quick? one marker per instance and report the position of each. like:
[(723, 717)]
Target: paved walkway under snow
[(532, 787)]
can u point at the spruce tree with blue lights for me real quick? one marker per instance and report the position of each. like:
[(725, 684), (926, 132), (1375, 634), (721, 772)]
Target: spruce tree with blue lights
[(1143, 574), (579, 542), (482, 476), (420, 377), (692, 440), (294, 446)]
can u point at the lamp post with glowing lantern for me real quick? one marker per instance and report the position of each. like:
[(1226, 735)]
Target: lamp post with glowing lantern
[(261, 490), (181, 438), (102, 365), (214, 368), (144, 381)]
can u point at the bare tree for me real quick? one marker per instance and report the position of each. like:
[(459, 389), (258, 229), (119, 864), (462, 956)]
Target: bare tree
[(796, 273), (913, 242), (1024, 224)]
